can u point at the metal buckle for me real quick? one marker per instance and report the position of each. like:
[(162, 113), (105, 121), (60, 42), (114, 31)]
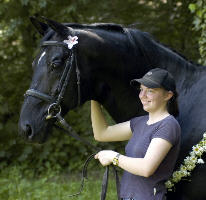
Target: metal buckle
[(53, 111)]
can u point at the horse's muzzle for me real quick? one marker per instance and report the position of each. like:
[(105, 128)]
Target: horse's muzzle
[(26, 131)]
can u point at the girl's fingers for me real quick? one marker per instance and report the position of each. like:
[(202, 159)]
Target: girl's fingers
[(102, 161), (96, 156)]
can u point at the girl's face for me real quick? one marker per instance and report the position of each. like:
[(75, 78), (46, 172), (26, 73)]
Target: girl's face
[(154, 99)]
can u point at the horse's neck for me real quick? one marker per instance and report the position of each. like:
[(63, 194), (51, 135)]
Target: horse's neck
[(117, 96), (113, 90)]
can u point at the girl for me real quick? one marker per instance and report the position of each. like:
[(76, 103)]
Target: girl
[(154, 139)]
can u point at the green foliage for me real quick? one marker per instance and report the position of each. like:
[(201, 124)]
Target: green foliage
[(199, 10), (16, 184), (169, 21)]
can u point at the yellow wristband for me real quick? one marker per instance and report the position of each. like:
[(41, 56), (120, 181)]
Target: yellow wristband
[(115, 160)]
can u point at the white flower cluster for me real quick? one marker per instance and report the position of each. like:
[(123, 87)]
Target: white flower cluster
[(189, 164)]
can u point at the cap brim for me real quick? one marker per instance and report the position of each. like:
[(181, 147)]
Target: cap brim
[(146, 82)]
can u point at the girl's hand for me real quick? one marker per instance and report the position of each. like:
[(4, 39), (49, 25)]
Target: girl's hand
[(106, 157)]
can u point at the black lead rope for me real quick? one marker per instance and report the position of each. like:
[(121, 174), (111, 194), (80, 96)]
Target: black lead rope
[(84, 175), (72, 133), (105, 183), (105, 179)]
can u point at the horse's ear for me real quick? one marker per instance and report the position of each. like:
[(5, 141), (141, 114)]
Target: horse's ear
[(58, 27), (40, 26)]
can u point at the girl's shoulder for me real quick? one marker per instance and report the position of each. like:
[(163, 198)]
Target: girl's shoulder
[(172, 121), (168, 129)]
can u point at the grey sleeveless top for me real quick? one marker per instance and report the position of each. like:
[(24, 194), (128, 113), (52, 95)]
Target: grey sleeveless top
[(153, 187)]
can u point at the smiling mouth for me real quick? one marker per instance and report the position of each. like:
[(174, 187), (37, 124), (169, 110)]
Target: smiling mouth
[(145, 102)]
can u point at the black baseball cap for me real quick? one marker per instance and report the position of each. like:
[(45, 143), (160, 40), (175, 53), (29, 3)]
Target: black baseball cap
[(156, 78)]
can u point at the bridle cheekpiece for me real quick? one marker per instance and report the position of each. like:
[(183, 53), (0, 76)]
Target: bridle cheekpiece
[(54, 109)]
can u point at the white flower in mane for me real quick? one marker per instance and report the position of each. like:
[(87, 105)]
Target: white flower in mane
[(71, 41), (189, 164)]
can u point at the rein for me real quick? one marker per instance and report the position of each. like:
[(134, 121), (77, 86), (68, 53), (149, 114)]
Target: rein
[(105, 179), (54, 111)]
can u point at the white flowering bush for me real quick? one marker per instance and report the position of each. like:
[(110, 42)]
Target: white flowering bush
[(189, 164)]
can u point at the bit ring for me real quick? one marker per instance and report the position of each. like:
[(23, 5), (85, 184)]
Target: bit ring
[(53, 110)]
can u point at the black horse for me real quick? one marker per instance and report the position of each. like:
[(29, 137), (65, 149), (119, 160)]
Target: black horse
[(108, 56)]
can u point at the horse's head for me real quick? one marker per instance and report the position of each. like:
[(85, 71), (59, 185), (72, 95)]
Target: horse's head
[(107, 59), (54, 74)]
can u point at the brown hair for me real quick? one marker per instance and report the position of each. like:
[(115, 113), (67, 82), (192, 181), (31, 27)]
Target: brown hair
[(172, 105)]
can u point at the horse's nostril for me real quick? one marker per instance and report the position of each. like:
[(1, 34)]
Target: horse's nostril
[(28, 131)]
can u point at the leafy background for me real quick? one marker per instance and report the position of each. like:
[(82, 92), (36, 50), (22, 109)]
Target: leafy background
[(180, 24)]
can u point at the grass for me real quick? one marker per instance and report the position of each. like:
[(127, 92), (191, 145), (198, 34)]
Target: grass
[(18, 184)]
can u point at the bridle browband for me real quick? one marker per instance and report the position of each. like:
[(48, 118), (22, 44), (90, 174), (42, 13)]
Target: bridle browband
[(55, 100)]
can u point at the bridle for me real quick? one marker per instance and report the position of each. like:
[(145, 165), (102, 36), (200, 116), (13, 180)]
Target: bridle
[(54, 109)]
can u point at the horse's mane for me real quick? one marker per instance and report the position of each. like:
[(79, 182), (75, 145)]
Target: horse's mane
[(178, 53), (48, 35), (148, 36), (103, 26), (119, 28)]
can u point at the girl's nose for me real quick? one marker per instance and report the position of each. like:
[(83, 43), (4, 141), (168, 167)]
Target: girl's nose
[(142, 93)]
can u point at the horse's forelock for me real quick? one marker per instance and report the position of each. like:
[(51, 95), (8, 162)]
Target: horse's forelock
[(48, 36)]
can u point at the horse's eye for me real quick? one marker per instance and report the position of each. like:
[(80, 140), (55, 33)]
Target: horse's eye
[(55, 65)]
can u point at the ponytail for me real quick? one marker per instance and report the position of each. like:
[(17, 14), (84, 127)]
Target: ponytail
[(172, 105)]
